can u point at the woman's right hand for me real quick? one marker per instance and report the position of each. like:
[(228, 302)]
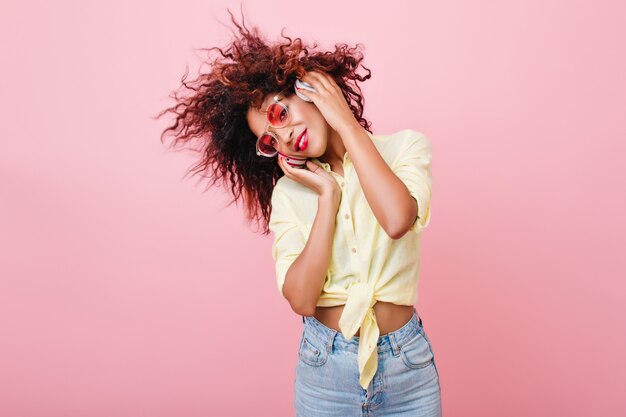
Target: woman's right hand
[(314, 177)]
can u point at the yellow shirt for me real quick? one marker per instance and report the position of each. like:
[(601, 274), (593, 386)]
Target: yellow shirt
[(366, 264)]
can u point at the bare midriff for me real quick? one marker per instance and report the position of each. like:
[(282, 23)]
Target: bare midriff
[(390, 317)]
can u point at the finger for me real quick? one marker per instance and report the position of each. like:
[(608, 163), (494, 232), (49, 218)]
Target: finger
[(302, 176), (291, 171), (280, 163), (318, 81), (313, 95), (317, 170), (283, 166), (322, 78), (332, 81), (311, 166)]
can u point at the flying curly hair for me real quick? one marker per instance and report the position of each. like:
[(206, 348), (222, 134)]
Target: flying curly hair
[(213, 113)]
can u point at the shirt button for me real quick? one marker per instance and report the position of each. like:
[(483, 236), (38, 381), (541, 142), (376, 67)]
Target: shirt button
[(347, 216), (343, 183), (353, 250)]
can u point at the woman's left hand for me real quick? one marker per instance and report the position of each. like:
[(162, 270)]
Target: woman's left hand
[(329, 100)]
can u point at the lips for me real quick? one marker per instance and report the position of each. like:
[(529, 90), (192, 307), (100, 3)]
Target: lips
[(302, 141)]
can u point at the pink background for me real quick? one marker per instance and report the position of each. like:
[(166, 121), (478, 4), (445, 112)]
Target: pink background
[(128, 291)]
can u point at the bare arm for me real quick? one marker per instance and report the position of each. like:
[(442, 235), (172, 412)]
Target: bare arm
[(390, 200), (305, 278)]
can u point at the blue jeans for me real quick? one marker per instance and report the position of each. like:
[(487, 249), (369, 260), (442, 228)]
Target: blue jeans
[(406, 382)]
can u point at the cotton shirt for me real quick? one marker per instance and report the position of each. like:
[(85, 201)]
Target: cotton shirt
[(366, 265)]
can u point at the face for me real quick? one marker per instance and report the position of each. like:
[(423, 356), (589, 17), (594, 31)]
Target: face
[(302, 115)]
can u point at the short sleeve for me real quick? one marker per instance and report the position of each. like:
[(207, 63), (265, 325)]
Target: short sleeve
[(289, 241), (413, 166)]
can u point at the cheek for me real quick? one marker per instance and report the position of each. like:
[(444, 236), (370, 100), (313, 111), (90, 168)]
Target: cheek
[(313, 117)]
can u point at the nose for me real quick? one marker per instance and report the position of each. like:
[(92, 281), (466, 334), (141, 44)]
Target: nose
[(289, 137)]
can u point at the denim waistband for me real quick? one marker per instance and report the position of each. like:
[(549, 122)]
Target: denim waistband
[(334, 339)]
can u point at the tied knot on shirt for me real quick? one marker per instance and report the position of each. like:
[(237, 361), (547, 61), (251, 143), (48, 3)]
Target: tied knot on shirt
[(359, 312), (360, 301)]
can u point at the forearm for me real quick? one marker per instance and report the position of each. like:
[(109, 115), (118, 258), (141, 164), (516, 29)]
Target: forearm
[(305, 278), (388, 197)]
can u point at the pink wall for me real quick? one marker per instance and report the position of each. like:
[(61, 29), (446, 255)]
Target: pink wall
[(126, 291)]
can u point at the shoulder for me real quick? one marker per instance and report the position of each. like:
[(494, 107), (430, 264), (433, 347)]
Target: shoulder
[(281, 190), (393, 145), (287, 186), (281, 206), (280, 185), (288, 191), (410, 137)]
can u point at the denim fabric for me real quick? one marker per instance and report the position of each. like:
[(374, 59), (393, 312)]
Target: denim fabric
[(327, 375)]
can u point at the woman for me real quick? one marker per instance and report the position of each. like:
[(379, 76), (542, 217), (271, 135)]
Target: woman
[(347, 225)]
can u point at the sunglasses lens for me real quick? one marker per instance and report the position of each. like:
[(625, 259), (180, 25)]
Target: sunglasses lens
[(277, 114), (267, 144)]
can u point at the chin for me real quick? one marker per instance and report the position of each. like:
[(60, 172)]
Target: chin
[(313, 151), (316, 154), (317, 150)]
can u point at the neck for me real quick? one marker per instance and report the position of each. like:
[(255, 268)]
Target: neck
[(335, 150)]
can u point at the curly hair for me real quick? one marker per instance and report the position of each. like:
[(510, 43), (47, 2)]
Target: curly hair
[(214, 111)]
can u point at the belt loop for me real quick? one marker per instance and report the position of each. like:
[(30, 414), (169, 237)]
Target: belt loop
[(394, 344), (419, 318), (329, 342)]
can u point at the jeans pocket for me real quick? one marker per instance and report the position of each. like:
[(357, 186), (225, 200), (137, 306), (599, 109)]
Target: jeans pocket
[(312, 351), (416, 353)]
